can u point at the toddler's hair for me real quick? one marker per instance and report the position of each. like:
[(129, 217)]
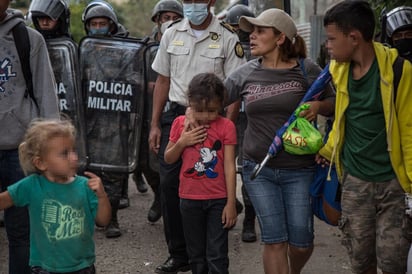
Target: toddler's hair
[(206, 87), (37, 137)]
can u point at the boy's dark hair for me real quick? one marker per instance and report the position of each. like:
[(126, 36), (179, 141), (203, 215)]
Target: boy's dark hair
[(205, 87), (351, 15)]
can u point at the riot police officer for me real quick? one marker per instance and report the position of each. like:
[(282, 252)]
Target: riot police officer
[(51, 18), (399, 30), (232, 18), (164, 12), (100, 20)]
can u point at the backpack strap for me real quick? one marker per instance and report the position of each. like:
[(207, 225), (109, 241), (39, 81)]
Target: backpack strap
[(302, 67), (22, 42), (397, 74)]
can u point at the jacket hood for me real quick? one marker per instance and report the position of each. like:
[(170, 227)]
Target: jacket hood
[(386, 57), (13, 17)]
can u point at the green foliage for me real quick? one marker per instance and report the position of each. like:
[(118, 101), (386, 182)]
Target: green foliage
[(385, 5), (136, 16), (20, 4), (76, 24)]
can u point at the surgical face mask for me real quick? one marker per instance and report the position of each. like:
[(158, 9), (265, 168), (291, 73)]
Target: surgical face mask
[(99, 31), (164, 26), (196, 12), (404, 47)]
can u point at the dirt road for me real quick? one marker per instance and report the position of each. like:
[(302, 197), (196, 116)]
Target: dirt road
[(142, 247)]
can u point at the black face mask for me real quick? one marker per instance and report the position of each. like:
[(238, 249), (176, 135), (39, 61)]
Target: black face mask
[(404, 47), (243, 36)]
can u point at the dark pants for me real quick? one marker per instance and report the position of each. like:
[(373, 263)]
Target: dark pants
[(148, 162), (207, 240), (169, 191), (16, 219)]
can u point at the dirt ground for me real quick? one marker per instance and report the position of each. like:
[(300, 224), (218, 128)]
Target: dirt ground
[(142, 246)]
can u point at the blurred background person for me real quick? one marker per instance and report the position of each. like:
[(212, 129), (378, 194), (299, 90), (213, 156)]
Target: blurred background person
[(399, 30), (164, 13), (100, 20)]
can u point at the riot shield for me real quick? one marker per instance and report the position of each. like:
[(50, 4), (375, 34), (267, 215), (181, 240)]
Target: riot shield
[(113, 88), (150, 80), (64, 60)]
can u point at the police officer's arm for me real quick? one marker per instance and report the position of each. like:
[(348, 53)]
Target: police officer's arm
[(160, 96)]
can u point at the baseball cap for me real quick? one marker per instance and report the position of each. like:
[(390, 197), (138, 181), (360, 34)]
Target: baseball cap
[(275, 18)]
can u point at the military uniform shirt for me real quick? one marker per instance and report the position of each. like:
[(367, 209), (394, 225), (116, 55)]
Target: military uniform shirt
[(181, 55)]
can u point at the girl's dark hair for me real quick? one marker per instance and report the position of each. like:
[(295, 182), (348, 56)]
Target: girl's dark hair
[(351, 15), (205, 87)]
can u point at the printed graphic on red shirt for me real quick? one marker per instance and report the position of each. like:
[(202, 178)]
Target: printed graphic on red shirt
[(205, 166)]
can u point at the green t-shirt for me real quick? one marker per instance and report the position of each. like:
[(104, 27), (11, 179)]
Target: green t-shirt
[(62, 218), (365, 152)]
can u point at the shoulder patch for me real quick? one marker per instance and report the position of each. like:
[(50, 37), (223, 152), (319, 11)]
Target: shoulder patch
[(227, 26), (239, 50)]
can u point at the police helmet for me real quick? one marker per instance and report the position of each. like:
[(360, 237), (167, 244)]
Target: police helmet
[(398, 19), (235, 12), (167, 5), (99, 9), (57, 10)]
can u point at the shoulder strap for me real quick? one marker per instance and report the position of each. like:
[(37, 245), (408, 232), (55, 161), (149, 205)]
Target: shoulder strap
[(22, 42), (302, 67), (397, 74)]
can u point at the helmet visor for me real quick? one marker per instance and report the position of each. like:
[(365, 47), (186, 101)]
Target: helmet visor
[(52, 9), (398, 18)]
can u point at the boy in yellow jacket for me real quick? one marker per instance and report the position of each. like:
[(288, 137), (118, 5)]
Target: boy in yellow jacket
[(370, 142)]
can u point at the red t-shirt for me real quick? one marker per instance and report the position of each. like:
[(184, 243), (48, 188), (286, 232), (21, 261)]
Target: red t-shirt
[(202, 174)]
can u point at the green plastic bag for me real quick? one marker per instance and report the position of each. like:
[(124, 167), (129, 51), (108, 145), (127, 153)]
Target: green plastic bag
[(301, 137)]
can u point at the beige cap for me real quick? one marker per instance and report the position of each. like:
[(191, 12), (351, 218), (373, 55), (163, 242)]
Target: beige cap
[(275, 18)]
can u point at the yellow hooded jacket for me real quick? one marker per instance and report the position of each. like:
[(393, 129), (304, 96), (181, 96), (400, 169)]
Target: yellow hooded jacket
[(398, 115)]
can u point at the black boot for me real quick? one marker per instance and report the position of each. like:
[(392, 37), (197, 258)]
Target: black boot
[(113, 230), (239, 207), (139, 181), (124, 199), (155, 212), (248, 231)]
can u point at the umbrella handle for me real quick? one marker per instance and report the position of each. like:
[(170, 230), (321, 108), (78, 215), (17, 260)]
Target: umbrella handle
[(259, 167)]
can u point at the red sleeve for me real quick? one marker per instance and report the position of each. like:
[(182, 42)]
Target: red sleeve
[(230, 132), (176, 129)]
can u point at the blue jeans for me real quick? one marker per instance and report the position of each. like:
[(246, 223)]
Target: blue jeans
[(16, 219), (282, 203), (206, 239)]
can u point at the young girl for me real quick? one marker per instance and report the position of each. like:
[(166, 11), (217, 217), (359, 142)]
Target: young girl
[(63, 207), (207, 177)]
